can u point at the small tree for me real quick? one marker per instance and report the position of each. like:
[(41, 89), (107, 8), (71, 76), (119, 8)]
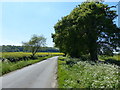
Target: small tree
[(34, 44)]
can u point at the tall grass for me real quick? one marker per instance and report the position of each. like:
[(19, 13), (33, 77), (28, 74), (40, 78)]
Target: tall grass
[(86, 74)]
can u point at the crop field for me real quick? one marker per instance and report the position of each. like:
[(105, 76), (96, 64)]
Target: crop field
[(21, 54), (75, 73)]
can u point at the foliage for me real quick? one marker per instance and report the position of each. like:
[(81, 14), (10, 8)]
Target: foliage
[(10, 48), (88, 29), (35, 43), (16, 60), (87, 74), (11, 66), (17, 56), (110, 59), (104, 57)]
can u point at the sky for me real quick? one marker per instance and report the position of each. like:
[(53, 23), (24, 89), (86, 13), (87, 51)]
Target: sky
[(52, 0), (20, 20)]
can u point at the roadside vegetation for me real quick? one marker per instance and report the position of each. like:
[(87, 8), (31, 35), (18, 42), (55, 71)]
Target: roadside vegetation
[(79, 73), (89, 37), (19, 60), (104, 57), (16, 56), (10, 61)]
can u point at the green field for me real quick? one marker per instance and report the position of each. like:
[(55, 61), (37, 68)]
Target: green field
[(7, 66), (21, 54), (115, 57), (75, 73), (11, 66)]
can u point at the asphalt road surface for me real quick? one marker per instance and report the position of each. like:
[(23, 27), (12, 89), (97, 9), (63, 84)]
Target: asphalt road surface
[(39, 75)]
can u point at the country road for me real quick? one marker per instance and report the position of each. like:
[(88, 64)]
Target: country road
[(39, 75)]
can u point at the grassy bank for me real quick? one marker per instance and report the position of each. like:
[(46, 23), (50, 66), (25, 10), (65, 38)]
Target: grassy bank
[(74, 73), (115, 57), (11, 66)]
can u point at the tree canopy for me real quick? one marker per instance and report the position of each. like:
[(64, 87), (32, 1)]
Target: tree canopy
[(88, 29)]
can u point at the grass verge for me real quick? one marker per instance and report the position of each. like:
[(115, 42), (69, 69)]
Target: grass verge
[(74, 73), (12, 66), (115, 57)]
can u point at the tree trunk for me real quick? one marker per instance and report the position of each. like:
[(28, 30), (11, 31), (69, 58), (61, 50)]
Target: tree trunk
[(92, 45), (33, 54), (93, 53), (34, 51)]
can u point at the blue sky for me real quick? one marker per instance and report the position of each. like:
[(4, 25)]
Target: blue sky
[(20, 20)]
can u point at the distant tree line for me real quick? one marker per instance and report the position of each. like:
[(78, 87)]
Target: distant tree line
[(12, 48)]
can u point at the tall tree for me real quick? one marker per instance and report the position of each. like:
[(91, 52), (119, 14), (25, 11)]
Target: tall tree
[(88, 29), (34, 44)]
